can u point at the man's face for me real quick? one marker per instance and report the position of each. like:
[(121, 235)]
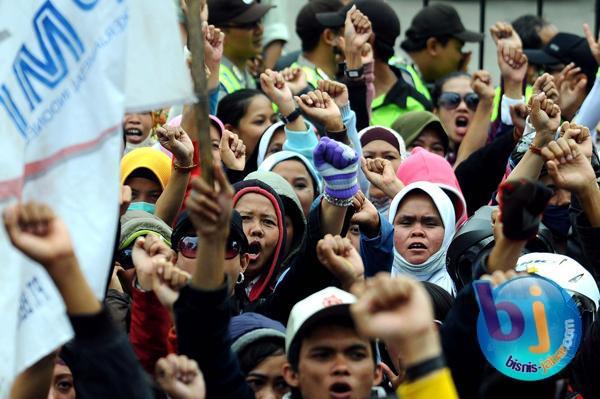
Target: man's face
[(334, 363), (244, 41), (449, 58)]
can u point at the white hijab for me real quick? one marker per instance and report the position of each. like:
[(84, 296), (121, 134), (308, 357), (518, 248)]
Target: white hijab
[(433, 269)]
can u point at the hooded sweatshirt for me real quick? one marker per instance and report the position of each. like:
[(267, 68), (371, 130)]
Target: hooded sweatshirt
[(272, 160), (434, 268), (423, 165), (292, 209), (264, 285)]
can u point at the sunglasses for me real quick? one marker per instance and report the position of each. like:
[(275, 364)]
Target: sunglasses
[(188, 246), (451, 100)]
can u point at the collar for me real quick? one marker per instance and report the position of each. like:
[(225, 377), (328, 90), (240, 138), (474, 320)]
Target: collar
[(400, 92), (305, 62)]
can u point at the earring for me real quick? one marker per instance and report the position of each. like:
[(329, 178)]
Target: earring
[(240, 278)]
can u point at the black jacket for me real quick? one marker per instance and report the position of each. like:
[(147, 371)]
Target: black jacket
[(202, 321), (103, 362), (480, 174)]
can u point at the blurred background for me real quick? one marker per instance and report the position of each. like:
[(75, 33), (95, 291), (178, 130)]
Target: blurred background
[(567, 15)]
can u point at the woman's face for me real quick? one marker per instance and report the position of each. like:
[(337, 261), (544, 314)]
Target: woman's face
[(259, 116), (261, 228), (429, 139), (137, 127), (418, 228), (297, 175), (276, 143), (144, 190), (62, 383), (266, 379), (457, 120), (354, 236), (381, 149), (215, 141)]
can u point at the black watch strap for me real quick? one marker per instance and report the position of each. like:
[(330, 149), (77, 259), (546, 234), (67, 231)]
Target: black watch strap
[(425, 367), (291, 117), (354, 73)]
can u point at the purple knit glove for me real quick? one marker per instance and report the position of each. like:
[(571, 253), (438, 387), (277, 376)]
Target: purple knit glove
[(337, 164)]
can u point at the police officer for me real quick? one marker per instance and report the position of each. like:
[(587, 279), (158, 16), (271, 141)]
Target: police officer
[(241, 20), (434, 44)]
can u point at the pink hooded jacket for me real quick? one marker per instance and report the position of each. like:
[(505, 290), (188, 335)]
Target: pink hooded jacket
[(423, 165)]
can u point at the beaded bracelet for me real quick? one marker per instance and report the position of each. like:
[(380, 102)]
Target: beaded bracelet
[(344, 203), (180, 168)]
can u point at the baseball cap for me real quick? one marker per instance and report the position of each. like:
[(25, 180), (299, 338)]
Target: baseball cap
[(307, 20), (329, 303), (411, 124), (226, 12), (565, 48), (440, 20), (149, 158), (384, 21)]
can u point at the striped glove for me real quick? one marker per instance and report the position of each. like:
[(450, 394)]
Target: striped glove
[(337, 164)]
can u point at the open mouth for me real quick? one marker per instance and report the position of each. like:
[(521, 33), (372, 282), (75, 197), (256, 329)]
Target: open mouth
[(254, 250), (133, 132), (462, 121), (417, 245), (340, 390)]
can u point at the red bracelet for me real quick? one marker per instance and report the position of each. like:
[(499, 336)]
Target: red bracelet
[(535, 149)]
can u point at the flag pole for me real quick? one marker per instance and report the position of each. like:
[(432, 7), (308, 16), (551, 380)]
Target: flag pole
[(201, 122)]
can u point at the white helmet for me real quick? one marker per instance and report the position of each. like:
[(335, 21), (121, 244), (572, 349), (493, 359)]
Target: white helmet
[(564, 271)]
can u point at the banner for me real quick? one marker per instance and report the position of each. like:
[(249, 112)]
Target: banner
[(69, 70)]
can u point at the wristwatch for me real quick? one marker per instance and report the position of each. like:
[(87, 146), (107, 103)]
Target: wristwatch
[(291, 117), (354, 73)]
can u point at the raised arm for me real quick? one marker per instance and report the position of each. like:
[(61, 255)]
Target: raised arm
[(177, 141), (99, 352), (477, 133)]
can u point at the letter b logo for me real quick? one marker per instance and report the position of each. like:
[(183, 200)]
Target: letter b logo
[(490, 311)]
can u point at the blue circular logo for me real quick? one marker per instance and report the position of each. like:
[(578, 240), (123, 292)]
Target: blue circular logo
[(528, 328)]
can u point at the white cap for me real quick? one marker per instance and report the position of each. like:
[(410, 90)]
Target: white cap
[(327, 302), (564, 271)]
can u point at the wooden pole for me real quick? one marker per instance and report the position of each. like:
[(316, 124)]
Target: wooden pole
[(201, 130)]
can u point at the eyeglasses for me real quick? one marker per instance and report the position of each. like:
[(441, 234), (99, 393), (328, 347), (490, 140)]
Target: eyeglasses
[(188, 246), (451, 100)]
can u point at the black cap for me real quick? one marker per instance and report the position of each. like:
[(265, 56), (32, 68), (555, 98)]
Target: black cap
[(565, 48), (384, 22), (307, 20), (226, 12), (439, 20)]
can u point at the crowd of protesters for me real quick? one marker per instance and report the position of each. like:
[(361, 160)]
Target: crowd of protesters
[(357, 195)]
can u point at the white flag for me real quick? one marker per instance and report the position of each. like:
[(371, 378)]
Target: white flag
[(68, 72)]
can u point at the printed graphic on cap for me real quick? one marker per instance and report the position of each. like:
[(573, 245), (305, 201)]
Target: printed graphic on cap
[(528, 328)]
